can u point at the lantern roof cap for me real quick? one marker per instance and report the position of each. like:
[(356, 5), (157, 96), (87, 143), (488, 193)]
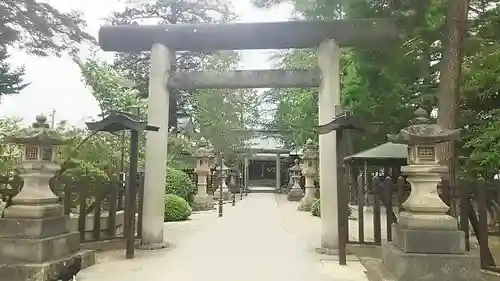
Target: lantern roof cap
[(310, 150), (40, 133), (118, 121), (224, 167), (296, 167), (203, 148), (421, 132)]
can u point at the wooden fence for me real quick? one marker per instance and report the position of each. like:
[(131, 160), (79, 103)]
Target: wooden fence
[(97, 208), (477, 202)]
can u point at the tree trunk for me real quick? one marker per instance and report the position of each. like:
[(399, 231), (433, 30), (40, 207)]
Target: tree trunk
[(449, 84)]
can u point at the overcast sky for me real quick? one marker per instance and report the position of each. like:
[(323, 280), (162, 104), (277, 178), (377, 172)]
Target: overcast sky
[(56, 83)]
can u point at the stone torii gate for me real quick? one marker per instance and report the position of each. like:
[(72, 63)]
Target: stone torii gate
[(164, 40)]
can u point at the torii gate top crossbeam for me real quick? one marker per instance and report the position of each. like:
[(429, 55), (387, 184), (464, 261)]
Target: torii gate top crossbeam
[(243, 36)]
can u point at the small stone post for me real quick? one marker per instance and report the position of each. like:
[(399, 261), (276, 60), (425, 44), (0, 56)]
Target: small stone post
[(226, 196), (309, 172), (295, 193), (278, 172), (426, 241), (233, 186), (202, 201), (34, 236)]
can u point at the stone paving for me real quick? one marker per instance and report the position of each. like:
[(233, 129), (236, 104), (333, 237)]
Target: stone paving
[(263, 238)]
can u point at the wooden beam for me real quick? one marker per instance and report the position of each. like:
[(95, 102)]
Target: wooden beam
[(246, 36), (276, 78)]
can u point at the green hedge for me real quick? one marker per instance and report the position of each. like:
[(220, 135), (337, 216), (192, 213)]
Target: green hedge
[(316, 209), (179, 183), (176, 208)]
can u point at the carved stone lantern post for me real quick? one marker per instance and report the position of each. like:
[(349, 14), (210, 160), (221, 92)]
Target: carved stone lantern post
[(203, 202), (295, 193), (34, 235), (425, 240), (309, 172)]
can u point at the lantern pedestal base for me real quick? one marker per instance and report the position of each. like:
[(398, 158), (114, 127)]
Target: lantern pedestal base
[(396, 265), (427, 221), (36, 244), (305, 204), (226, 195), (34, 211), (295, 194), (60, 269), (33, 228), (436, 241), (14, 250), (202, 203)]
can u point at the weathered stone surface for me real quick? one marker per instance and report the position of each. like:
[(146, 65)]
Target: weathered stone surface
[(202, 203), (34, 211), (275, 78), (48, 271), (376, 271), (245, 36), (295, 194), (428, 241), (21, 250), (305, 204), (427, 221), (226, 195), (33, 228), (397, 265)]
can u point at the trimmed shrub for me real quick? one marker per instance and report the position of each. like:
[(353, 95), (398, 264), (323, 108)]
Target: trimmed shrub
[(176, 208), (179, 183), (316, 208)]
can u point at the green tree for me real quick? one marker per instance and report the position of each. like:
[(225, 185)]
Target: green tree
[(224, 116), (296, 109), (386, 84), (480, 93), (40, 29), (37, 28), (9, 153), (136, 66), (11, 79), (101, 154)]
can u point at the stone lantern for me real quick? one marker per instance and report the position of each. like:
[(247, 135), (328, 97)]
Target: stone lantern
[(226, 196), (202, 202), (424, 208), (295, 193), (425, 239), (34, 235), (309, 171), (36, 199)]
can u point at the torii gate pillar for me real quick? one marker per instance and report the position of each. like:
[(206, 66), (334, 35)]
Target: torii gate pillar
[(156, 148), (329, 54)]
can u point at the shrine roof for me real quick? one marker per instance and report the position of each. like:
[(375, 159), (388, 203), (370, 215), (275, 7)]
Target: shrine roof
[(386, 152), (265, 143)]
